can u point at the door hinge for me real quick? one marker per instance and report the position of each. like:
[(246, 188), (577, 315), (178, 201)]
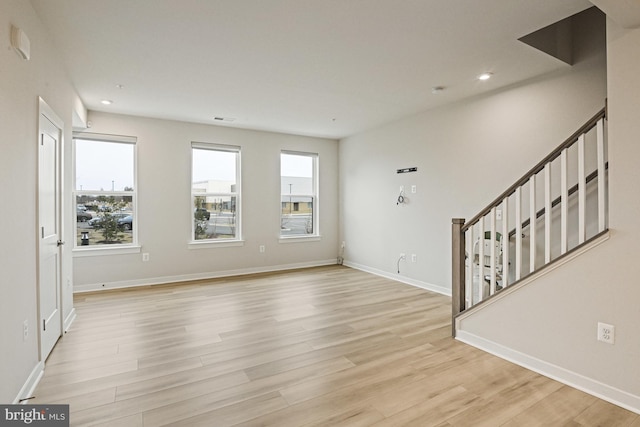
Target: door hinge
[(44, 324), (42, 232)]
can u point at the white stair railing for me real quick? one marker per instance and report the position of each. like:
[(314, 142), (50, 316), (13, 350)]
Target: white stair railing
[(559, 205)]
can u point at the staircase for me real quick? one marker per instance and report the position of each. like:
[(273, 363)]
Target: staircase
[(548, 216)]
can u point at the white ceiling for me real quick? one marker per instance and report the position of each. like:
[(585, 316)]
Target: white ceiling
[(329, 68)]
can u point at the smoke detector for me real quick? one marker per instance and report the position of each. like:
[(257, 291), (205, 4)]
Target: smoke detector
[(20, 42)]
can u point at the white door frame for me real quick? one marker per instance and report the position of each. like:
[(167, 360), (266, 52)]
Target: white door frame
[(46, 113)]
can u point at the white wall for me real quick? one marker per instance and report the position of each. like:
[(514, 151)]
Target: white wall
[(21, 84), (466, 154), (559, 332), (164, 221)]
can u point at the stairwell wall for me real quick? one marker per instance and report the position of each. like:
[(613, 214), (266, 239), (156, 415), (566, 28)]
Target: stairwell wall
[(466, 154), (552, 322)]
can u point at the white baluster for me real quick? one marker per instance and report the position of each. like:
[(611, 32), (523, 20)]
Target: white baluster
[(518, 215), (602, 183), (532, 223), (582, 192), (547, 213), (492, 251), (564, 201), (505, 242), (469, 268), (481, 259)]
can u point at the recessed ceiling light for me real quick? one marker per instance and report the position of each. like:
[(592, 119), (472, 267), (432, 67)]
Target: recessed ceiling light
[(437, 89), (106, 102), (119, 86), (485, 76)]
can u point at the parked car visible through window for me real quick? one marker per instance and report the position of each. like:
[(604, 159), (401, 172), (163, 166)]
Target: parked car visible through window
[(83, 216), (126, 223)]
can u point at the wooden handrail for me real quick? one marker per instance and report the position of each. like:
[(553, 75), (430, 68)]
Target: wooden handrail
[(590, 124)]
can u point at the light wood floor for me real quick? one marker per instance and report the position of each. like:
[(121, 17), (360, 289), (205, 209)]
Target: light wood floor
[(326, 346)]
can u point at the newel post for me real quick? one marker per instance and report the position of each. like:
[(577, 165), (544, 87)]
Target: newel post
[(458, 271)]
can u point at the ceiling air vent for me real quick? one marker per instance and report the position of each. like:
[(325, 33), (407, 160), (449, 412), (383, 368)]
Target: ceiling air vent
[(224, 119)]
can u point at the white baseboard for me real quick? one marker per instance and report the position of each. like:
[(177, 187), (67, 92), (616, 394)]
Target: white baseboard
[(399, 278), (69, 320), (38, 371), (588, 385), (30, 385), (198, 276)]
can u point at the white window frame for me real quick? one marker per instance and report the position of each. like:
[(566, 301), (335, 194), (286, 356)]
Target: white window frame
[(128, 248), (315, 197), (221, 242)]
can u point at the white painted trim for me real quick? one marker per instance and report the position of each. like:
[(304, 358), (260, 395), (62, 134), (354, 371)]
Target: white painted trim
[(69, 320), (417, 283), (91, 136), (199, 276), (209, 244), (300, 239), (30, 385), (101, 250), (51, 115), (588, 385)]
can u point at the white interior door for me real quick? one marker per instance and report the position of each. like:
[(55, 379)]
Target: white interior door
[(49, 222)]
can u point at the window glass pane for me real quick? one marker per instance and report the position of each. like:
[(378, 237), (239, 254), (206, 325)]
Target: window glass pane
[(104, 220), (215, 193), (104, 193), (214, 171), (104, 166), (297, 189), (296, 165), (297, 215), (215, 217), (296, 174)]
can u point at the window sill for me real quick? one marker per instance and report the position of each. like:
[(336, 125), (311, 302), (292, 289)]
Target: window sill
[(100, 251), (218, 244), (300, 239)]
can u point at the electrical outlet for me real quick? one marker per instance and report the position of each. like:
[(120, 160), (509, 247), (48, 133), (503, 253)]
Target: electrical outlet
[(414, 258), (25, 330), (403, 256), (606, 333), (145, 257), (414, 189), (262, 249)]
